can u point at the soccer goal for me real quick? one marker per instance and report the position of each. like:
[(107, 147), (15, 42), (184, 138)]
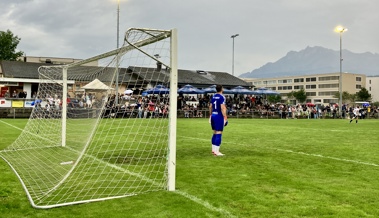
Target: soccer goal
[(85, 141)]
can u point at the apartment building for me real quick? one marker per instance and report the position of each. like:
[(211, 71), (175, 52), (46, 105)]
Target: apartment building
[(372, 83), (320, 88)]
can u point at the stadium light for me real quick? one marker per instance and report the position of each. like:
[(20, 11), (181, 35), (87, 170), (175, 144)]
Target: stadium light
[(233, 36), (117, 46), (340, 30)]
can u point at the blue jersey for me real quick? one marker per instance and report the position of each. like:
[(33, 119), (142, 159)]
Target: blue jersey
[(217, 119), (217, 101)]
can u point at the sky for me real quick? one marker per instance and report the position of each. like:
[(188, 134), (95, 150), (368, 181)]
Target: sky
[(268, 29)]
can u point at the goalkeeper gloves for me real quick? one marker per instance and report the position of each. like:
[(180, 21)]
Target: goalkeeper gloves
[(225, 121)]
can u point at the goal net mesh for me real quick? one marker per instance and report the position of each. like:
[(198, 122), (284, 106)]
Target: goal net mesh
[(103, 144)]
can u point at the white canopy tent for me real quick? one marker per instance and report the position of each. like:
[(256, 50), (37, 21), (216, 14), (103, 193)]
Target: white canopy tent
[(96, 85)]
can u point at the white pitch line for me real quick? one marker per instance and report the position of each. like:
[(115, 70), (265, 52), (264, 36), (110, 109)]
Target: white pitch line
[(302, 153), (11, 125), (328, 157), (184, 194), (204, 203)]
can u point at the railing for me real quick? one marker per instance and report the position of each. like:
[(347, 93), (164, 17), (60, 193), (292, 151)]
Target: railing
[(21, 108)]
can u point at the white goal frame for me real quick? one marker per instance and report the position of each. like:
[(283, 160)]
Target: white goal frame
[(171, 158)]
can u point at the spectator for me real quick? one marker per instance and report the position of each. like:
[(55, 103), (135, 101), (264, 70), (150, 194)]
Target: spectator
[(14, 95), (7, 94)]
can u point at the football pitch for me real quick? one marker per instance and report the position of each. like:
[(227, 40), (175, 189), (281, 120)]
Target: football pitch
[(271, 168)]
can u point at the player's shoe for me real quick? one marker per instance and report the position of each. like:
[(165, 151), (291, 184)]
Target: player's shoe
[(218, 154)]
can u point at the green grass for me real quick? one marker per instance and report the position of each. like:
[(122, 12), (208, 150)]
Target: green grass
[(272, 168)]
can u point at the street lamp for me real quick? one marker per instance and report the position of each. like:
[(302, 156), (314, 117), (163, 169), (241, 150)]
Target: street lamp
[(340, 30), (117, 60), (233, 36)]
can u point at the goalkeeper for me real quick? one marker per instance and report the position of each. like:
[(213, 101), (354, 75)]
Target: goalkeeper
[(218, 119)]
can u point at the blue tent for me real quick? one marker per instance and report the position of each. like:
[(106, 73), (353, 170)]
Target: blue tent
[(189, 89), (241, 90), (158, 89), (227, 91), (212, 89), (265, 91)]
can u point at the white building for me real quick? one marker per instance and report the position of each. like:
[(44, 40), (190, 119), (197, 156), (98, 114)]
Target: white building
[(372, 83), (320, 88)]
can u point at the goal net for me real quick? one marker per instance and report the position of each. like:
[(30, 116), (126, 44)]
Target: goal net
[(85, 141)]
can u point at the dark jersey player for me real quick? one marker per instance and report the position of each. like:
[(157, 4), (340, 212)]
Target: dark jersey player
[(218, 119)]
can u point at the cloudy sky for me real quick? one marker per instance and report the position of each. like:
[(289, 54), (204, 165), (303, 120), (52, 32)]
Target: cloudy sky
[(267, 29)]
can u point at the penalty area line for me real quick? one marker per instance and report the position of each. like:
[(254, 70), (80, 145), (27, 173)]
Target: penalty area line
[(301, 153), (327, 157), (15, 127)]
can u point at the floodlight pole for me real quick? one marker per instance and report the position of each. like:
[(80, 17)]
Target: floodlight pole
[(340, 29), (233, 36), (117, 46)]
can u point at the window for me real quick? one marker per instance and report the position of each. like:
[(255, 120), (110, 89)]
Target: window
[(369, 81), (330, 100), (298, 87), (310, 79), (285, 81), (270, 82), (327, 86), (327, 78), (357, 86), (310, 86), (299, 80), (358, 79), (284, 87), (370, 88), (311, 93), (326, 93)]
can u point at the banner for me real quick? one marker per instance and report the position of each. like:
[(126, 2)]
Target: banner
[(17, 103), (5, 103), (28, 104)]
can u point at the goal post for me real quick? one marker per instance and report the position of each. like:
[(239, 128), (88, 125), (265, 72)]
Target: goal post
[(82, 145), (173, 116)]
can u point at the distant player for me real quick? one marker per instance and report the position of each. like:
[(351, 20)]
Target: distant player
[(356, 114), (218, 119)]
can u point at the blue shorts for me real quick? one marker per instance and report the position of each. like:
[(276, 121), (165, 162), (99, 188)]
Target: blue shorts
[(217, 122)]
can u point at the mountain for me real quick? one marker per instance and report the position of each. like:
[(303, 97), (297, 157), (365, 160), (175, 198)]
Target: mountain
[(318, 60)]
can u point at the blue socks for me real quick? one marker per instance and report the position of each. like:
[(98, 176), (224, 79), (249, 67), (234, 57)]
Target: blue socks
[(216, 139)]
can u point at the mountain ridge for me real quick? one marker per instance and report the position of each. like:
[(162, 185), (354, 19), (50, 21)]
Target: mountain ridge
[(318, 60)]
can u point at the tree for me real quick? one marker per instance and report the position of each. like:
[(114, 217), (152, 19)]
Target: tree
[(274, 98), (290, 95), (300, 95), (363, 95), (8, 45), (345, 96)]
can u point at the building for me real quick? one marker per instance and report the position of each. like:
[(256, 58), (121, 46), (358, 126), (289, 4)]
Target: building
[(372, 83), (320, 88), (23, 76)]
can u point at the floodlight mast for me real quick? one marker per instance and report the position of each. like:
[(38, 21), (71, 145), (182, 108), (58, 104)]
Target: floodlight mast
[(340, 30), (233, 36), (117, 46)]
